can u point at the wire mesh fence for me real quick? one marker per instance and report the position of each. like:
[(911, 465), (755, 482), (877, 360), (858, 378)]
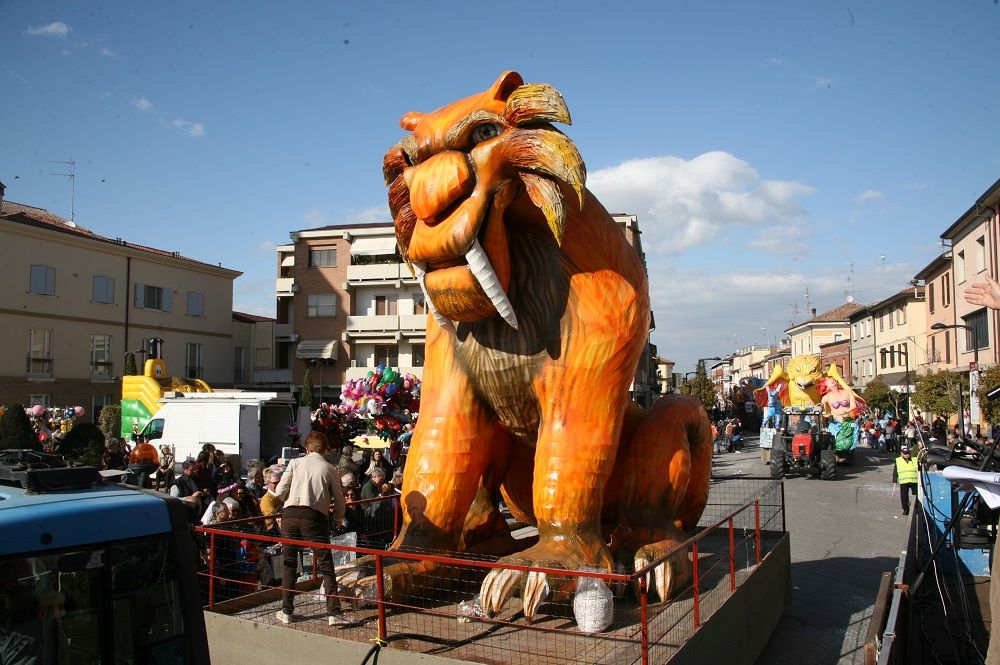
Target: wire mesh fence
[(429, 601)]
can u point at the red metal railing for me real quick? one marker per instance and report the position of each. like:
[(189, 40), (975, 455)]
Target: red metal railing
[(736, 533)]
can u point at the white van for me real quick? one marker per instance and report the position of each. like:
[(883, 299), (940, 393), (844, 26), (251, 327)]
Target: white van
[(243, 425)]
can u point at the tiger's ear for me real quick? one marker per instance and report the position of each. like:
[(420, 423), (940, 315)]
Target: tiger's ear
[(410, 120), (506, 84)]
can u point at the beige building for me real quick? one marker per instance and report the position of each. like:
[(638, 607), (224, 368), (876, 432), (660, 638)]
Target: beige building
[(831, 326), (347, 303), (973, 240), (864, 364), (900, 323), (75, 302), (253, 349)]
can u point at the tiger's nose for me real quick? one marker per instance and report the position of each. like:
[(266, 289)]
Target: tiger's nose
[(437, 183)]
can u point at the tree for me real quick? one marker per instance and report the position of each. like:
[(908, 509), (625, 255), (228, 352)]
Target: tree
[(130, 368), (988, 380), (937, 392), (306, 396), (110, 420), (703, 388), (84, 443), (878, 395), (15, 429)]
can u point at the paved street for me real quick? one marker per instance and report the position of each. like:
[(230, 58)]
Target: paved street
[(844, 535)]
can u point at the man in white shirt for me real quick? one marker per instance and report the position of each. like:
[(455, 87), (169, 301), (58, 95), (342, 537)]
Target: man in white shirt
[(309, 489)]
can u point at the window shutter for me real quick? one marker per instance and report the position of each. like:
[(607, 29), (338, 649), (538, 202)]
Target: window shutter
[(140, 295), (50, 281), (168, 299)]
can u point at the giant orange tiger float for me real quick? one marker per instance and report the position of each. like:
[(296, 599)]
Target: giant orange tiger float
[(538, 312)]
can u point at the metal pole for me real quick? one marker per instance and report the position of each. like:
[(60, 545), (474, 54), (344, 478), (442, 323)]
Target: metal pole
[(694, 581), (732, 558), (644, 620), (756, 526), (211, 570), (380, 590)]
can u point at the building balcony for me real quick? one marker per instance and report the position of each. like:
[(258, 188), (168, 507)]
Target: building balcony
[(362, 372), (283, 332), (285, 287), (380, 273), (272, 376), (413, 323)]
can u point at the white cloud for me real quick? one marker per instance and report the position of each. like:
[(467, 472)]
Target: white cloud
[(315, 217), (782, 239), (868, 196), (819, 82), (684, 203), (266, 247), (190, 128), (142, 104), (369, 215), (107, 53), (56, 29)]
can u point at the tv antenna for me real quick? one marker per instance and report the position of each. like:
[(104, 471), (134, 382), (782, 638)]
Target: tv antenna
[(849, 292), (71, 168), (807, 299)]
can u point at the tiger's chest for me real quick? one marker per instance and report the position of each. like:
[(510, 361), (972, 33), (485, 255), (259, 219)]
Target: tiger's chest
[(502, 362)]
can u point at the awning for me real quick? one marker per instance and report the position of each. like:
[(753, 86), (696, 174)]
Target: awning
[(373, 246), (895, 378), (288, 261), (317, 348)]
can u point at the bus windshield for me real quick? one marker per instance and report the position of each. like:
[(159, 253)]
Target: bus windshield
[(115, 603)]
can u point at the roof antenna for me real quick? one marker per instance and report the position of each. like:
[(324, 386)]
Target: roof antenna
[(71, 167)]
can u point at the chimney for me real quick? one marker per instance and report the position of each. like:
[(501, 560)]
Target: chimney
[(814, 312)]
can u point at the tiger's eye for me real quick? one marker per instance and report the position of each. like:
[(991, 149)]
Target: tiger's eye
[(485, 132)]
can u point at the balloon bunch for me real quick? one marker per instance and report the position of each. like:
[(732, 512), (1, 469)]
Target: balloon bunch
[(52, 424), (384, 399)]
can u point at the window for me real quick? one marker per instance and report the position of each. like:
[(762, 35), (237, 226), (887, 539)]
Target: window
[(417, 351), (97, 404), (262, 357), (194, 366), (892, 319), (871, 367), (39, 353), (979, 336), (947, 346), (323, 258), (881, 322), (946, 289), (238, 364), (883, 354), (387, 354), (901, 315), (44, 400), (419, 306), (101, 364), (934, 355), (324, 304), (930, 297), (385, 305), (837, 337), (154, 297), (195, 303), (43, 280), (103, 290), (960, 267), (856, 368), (980, 249)]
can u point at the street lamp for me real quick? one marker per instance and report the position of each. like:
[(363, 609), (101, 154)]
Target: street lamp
[(973, 374), (904, 354)]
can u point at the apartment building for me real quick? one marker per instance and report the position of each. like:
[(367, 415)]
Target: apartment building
[(900, 337), (253, 342), (347, 303), (837, 354), (863, 362), (831, 326), (76, 302), (973, 240), (939, 297)]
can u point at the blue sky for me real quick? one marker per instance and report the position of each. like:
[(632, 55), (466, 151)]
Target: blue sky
[(766, 147)]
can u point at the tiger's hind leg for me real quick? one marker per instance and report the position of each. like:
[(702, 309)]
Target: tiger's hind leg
[(661, 489)]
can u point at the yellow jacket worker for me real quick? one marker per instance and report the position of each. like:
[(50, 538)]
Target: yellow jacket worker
[(905, 473)]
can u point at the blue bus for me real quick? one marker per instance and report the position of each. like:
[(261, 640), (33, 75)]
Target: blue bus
[(93, 572)]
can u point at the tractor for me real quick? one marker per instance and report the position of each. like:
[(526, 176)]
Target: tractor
[(802, 445)]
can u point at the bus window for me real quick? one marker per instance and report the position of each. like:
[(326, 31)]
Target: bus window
[(50, 608), (149, 621)]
